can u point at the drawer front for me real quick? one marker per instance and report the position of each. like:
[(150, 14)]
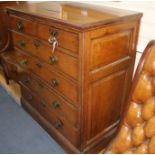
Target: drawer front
[(58, 60), (57, 122), (67, 40), (57, 82), (22, 25), (54, 102)]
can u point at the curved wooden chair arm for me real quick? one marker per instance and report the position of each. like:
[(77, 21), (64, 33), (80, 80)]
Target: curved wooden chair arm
[(136, 133)]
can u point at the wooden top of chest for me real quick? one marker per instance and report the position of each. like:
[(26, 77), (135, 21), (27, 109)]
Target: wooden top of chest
[(82, 16)]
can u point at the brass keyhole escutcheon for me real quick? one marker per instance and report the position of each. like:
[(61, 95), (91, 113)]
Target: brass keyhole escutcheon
[(57, 124), (55, 104), (54, 83), (53, 60), (23, 62), (19, 25), (37, 43)]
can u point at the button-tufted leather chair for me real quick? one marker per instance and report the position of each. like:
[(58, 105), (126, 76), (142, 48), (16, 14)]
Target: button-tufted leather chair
[(136, 133)]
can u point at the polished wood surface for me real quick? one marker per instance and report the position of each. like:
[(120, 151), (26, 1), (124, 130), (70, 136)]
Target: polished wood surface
[(108, 54), (136, 131), (74, 70), (81, 16)]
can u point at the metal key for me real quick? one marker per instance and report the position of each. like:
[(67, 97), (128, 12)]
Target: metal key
[(53, 41)]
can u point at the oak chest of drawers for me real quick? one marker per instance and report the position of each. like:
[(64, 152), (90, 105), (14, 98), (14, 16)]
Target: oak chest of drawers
[(74, 65)]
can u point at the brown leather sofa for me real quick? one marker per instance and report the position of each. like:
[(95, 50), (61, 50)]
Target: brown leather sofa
[(137, 129)]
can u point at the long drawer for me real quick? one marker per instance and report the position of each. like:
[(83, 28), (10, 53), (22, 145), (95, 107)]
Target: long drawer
[(36, 47), (57, 122), (56, 103)]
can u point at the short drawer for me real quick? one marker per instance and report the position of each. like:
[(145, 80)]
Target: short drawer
[(57, 122), (22, 25), (57, 104), (67, 40), (60, 61)]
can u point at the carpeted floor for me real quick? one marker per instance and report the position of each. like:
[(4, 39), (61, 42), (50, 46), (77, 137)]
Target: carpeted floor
[(19, 133)]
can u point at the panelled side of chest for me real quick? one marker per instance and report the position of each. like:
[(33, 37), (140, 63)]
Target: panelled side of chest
[(108, 67)]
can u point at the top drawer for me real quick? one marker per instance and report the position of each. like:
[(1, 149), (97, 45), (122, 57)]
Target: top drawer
[(22, 25)]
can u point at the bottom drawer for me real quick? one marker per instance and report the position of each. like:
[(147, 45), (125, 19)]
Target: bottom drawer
[(58, 123)]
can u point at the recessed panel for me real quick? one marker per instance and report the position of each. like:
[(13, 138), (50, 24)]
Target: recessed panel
[(105, 102), (107, 49)]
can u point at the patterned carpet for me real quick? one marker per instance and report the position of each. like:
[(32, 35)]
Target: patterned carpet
[(19, 133)]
